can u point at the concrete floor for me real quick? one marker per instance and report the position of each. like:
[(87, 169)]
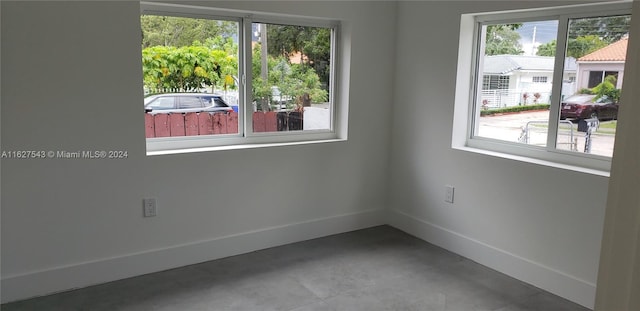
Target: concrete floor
[(374, 269)]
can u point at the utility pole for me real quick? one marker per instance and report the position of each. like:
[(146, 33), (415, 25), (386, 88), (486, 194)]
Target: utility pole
[(533, 41)]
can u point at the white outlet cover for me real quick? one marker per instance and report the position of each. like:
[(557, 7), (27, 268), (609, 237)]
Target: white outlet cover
[(149, 208), (448, 196)]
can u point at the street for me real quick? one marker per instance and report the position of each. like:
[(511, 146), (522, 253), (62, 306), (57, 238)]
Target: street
[(509, 127)]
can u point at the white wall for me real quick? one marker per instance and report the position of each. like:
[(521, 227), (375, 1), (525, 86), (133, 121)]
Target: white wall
[(619, 273), (540, 224), (584, 68), (71, 80)]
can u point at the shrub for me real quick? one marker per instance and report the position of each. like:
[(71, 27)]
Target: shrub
[(607, 88), (514, 109)]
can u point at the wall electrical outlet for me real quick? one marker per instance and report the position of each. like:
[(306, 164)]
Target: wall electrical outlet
[(448, 194), (149, 208)]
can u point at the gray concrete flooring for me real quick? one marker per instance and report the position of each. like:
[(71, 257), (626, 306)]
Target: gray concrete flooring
[(374, 269)]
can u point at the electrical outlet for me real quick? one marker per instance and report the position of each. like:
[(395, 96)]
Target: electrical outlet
[(448, 194), (149, 208)]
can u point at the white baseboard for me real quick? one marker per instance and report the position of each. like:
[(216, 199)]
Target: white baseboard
[(557, 282), (38, 283)]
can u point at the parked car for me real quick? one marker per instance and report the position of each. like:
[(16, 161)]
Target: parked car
[(184, 102), (584, 107)]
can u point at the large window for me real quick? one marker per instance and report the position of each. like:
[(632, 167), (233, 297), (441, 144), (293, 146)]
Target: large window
[(219, 78), (564, 68)]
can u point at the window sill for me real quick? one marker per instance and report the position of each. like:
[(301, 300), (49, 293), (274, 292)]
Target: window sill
[(242, 146), (536, 161)]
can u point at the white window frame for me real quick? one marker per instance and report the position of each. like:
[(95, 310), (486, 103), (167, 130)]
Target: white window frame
[(467, 87), (246, 138)]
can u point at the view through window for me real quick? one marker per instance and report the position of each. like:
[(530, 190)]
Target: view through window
[(516, 82), (193, 78), (292, 75), (190, 76)]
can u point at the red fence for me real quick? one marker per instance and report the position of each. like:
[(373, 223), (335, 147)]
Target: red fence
[(277, 121), (192, 124)]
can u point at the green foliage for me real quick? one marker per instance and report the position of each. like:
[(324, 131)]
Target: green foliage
[(585, 91), (182, 31), (313, 44), (590, 34), (489, 112), (576, 48), (187, 68), (610, 29), (607, 88), (547, 49), (584, 45), (185, 54), (503, 39), (293, 80)]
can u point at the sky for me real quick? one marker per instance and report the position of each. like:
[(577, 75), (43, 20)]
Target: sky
[(545, 31)]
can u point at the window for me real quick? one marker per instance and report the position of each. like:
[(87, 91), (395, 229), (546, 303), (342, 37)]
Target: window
[(190, 102), (495, 82), (162, 103), (221, 78), (295, 73), (564, 68), (539, 79), (597, 77)]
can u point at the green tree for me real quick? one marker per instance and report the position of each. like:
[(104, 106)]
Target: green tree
[(293, 79), (313, 44), (547, 49), (584, 45), (182, 31), (187, 68), (576, 48), (503, 39), (609, 29), (187, 54)]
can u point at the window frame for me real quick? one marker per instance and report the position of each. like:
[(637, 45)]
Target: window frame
[(467, 110), (246, 138)]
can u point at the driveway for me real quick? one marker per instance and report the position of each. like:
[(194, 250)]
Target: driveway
[(317, 117), (509, 127)]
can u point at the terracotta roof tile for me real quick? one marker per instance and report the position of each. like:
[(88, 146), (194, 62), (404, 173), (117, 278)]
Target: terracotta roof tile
[(616, 51)]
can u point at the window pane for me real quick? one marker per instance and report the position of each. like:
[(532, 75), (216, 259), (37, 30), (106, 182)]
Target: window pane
[(515, 78), (194, 56), (162, 103), (189, 102), (589, 103), (291, 78)]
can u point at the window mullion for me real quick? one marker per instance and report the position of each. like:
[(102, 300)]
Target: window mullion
[(478, 78), (247, 76), (556, 88)]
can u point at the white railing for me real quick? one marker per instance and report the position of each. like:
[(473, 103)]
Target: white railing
[(511, 97)]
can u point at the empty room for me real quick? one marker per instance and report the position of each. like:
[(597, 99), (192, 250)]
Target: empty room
[(319, 155)]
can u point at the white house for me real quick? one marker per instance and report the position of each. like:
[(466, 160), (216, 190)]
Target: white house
[(508, 77)]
